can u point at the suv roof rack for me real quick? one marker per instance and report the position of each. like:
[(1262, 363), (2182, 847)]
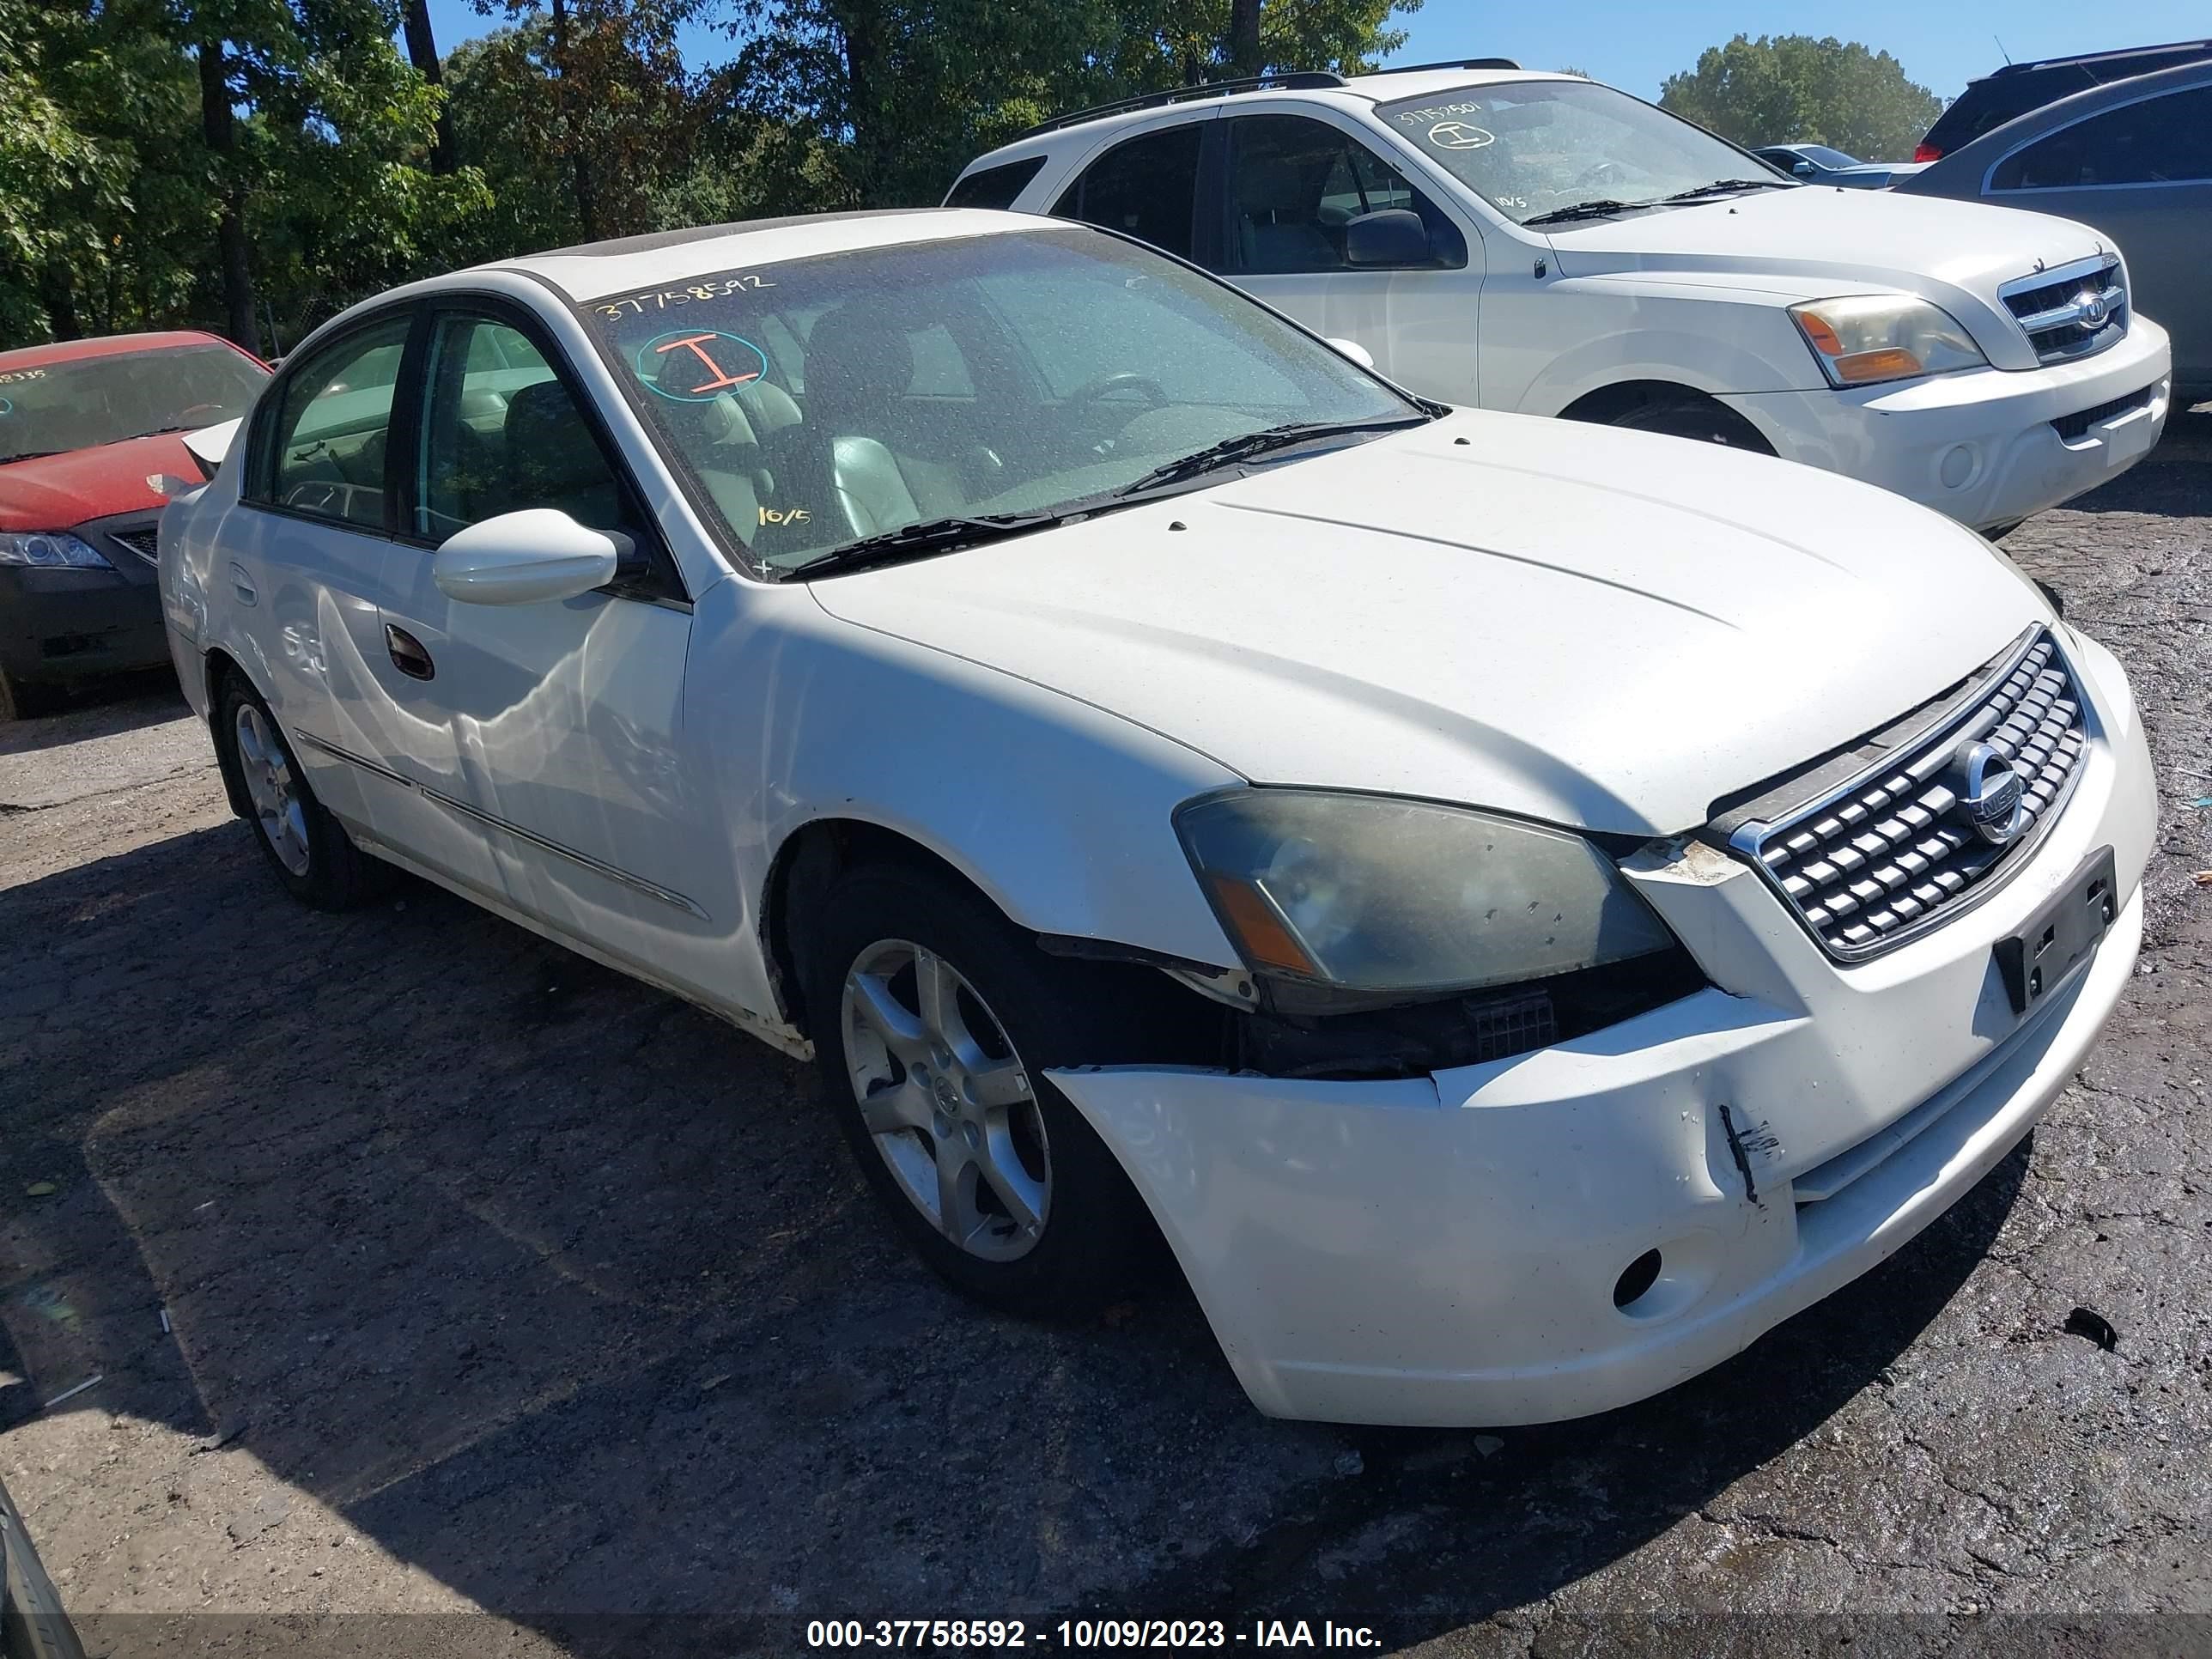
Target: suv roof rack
[(1302, 80), (2089, 57), (1448, 63)]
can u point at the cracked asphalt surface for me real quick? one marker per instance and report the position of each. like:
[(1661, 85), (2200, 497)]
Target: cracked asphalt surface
[(429, 1270)]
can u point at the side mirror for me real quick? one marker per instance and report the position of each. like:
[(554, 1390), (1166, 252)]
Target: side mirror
[(1352, 349), (1801, 168), (527, 558), (208, 445), (1387, 236)]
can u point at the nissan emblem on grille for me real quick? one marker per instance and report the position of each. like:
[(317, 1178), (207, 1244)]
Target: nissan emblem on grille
[(1889, 853), (1989, 793)]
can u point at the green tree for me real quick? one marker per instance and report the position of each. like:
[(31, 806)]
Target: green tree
[(897, 95), (1794, 88)]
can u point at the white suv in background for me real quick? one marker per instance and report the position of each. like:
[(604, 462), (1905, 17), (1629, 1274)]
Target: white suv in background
[(1542, 244)]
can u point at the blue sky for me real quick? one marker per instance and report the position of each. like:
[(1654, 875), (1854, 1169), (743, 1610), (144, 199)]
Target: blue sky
[(1636, 44)]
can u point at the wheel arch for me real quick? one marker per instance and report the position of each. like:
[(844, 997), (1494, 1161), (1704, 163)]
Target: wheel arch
[(1609, 404), (221, 669), (812, 856)]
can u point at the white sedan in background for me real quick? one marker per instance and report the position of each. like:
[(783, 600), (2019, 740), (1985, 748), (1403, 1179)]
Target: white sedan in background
[(1519, 908)]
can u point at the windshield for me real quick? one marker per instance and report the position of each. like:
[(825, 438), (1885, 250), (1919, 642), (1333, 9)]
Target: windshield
[(57, 407), (1821, 155), (821, 402), (1535, 147)]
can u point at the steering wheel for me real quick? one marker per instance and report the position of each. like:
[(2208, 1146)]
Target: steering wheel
[(1601, 173), (1119, 379), (199, 409)]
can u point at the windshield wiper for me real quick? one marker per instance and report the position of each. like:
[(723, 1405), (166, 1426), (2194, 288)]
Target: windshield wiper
[(1725, 187), (1246, 445), (29, 455), (1603, 208), (915, 541)]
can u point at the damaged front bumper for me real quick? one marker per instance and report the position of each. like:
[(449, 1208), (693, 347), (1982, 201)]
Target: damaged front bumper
[(1473, 1247)]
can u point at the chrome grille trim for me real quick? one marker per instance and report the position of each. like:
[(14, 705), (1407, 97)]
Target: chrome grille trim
[(2072, 310), (1883, 858)]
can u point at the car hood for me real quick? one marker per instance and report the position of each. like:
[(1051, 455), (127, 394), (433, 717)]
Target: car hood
[(56, 492), (1594, 626), (1828, 239)]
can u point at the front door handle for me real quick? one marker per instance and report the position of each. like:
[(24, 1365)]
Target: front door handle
[(408, 655)]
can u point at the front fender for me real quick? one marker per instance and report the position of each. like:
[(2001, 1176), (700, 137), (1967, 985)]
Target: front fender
[(1710, 338), (1061, 813)]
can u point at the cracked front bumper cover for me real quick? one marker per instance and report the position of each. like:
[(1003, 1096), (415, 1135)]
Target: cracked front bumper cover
[(1448, 1249)]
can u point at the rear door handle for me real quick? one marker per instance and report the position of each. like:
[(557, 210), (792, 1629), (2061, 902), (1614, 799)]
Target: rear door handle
[(243, 584), (408, 655)]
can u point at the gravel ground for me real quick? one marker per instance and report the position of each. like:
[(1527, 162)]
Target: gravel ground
[(428, 1270)]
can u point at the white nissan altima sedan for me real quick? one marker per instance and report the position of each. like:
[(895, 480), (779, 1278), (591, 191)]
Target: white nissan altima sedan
[(1520, 908)]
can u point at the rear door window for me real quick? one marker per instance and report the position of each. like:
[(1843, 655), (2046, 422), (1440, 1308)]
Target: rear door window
[(2153, 141), (1145, 186)]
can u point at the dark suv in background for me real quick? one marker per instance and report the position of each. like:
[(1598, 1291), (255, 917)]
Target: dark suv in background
[(2007, 93)]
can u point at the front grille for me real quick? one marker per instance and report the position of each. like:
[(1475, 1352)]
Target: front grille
[(2077, 425), (1891, 853), (2072, 312), (139, 540)]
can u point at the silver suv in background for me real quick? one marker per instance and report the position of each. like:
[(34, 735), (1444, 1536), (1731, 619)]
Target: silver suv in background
[(1543, 244)]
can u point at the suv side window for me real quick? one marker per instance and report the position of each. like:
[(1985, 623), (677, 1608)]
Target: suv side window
[(1147, 186), (503, 434), (326, 446), (1295, 183), (2153, 141)]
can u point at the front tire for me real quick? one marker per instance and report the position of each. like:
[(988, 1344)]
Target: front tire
[(309, 850), (934, 1022), (19, 702), (1702, 419)]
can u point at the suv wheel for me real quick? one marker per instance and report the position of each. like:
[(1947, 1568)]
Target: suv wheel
[(1702, 419)]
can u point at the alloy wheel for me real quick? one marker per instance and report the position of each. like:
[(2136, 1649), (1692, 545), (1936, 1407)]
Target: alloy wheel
[(946, 1101), (272, 788)]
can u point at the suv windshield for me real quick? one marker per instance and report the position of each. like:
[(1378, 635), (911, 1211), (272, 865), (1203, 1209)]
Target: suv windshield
[(1532, 147), (961, 389), (56, 407)]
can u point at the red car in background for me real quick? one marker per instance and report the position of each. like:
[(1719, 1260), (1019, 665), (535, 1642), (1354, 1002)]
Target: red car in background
[(89, 445)]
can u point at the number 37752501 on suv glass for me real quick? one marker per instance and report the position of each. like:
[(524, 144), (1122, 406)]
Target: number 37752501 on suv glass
[(1517, 910)]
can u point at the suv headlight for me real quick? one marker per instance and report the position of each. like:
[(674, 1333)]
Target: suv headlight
[(1369, 893), (1884, 336), (51, 550)]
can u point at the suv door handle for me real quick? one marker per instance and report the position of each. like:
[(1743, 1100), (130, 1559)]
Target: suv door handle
[(408, 655)]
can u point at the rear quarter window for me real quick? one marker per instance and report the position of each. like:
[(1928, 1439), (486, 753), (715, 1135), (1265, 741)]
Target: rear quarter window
[(994, 187)]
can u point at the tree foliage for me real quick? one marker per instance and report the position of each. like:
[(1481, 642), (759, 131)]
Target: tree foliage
[(255, 165), (1793, 88)]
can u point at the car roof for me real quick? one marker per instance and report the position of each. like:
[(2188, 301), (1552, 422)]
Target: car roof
[(596, 270), (2088, 59), (1971, 158), (1358, 92), (106, 345)]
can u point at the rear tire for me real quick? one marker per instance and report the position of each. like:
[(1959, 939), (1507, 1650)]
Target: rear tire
[(944, 1097), (19, 702), (309, 849), (1702, 419)]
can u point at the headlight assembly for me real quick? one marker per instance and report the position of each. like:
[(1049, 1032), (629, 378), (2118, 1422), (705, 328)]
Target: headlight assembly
[(51, 550), (1397, 898), (1872, 338)]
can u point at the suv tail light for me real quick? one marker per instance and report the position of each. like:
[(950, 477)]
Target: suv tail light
[(1925, 151)]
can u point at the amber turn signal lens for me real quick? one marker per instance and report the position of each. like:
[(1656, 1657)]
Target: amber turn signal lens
[(1265, 940), (1889, 363)]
